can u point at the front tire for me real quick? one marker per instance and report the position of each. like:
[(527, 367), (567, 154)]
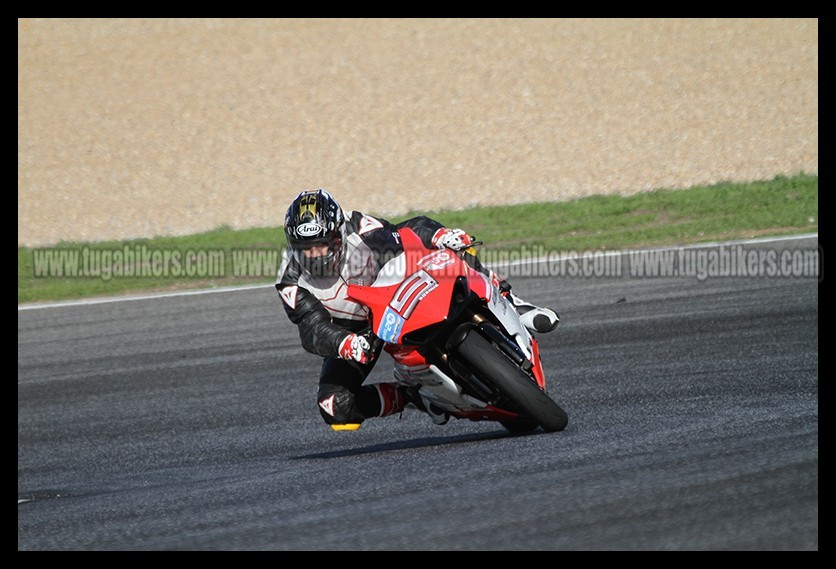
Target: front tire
[(520, 426), (517, 386)]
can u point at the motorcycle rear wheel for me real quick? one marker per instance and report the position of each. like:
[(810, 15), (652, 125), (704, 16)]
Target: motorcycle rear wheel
[(518, 387)]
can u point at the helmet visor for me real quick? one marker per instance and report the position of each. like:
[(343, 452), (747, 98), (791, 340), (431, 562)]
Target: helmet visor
[(319, 257)]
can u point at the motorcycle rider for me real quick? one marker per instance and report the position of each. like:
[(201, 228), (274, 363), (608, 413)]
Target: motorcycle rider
[(326, 249)]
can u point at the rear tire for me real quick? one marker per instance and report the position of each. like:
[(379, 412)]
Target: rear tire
[(518, 387)]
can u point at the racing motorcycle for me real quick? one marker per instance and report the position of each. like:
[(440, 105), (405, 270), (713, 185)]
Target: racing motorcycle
[(459, 340)]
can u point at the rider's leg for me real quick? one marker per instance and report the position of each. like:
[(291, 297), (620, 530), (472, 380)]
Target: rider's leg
[(410, 378), (342, 398)]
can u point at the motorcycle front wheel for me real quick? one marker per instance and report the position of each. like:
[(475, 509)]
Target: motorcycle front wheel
[(492, 366)]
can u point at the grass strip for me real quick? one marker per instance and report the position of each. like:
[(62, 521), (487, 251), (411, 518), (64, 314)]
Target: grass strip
[(784, 205)]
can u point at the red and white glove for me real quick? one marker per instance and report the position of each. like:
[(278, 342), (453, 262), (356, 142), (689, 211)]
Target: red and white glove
[(455, 239), (357, 348)]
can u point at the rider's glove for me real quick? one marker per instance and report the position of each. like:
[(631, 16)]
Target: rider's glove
[(357, 348), (455, 239)]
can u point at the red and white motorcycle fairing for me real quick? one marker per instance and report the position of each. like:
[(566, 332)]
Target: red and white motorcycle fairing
[(413, 291)]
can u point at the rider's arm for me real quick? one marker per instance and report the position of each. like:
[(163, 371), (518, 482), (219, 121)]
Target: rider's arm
[(429, 230), (435, 235), (424, 227), (319, 334)]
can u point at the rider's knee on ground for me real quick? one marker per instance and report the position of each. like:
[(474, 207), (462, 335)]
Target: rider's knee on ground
[(338, 405)]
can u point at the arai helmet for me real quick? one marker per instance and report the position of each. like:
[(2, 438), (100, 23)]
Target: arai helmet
[(313, 226)]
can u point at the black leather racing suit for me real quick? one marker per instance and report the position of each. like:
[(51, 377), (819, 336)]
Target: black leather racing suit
[(324, 315)]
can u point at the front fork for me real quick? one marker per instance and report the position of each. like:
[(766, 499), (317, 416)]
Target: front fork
[(529, 363)]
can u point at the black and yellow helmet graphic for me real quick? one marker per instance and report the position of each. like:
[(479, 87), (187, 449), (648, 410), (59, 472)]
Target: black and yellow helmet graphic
[(307, 204), (314, 219)]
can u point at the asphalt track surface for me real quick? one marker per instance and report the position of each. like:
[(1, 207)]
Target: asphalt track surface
[(190, 423)]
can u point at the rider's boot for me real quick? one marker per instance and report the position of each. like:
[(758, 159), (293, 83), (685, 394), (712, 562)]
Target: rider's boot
[(437, 415), (392, 398), (535, 318)]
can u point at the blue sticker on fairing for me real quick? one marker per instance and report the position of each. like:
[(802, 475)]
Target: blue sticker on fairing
[(390, 326)]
